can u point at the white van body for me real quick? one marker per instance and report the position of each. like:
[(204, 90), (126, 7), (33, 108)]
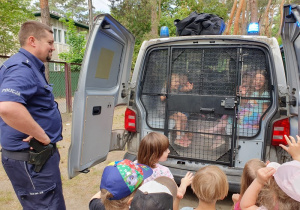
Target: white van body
[(217, 67)]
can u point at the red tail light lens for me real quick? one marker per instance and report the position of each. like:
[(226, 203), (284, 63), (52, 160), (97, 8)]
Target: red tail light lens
[(280, 128), (130, 120)]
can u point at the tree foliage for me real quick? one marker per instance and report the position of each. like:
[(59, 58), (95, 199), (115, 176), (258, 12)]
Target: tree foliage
[(12, 14), (76, 41), (77, 8), (137, 15)]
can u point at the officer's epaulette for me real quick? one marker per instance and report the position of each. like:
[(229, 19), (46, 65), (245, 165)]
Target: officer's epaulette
[(26, 62), (17, 58)]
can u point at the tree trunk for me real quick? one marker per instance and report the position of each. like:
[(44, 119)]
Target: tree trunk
[(244, 23), (237, 17), (265, 19), (159, 9), (269, 28), (281, 14), (45, 15), (154, 21), (247, 16), (90, 15), (254, 12), (227, 31)]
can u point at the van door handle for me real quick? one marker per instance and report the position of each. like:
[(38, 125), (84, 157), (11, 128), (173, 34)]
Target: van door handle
[(96, 110), (207, 109)]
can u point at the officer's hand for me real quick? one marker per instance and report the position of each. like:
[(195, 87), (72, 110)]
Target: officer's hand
[(28, 139), (44, 142)]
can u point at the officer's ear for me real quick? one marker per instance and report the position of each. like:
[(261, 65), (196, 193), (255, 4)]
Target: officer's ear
[(31, 41)]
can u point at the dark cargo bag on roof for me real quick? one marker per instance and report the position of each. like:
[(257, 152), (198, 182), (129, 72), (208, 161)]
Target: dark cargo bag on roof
[(200, 24)]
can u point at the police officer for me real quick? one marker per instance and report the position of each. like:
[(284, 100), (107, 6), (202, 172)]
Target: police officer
[(27, 110)]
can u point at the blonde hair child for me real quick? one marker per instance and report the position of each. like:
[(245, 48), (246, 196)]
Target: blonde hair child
[(209, 184)]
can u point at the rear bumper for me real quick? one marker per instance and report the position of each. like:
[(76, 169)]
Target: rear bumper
[(234, 181), (179, 168)]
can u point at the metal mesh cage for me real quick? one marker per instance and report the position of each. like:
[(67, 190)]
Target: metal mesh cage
[(209, 96)]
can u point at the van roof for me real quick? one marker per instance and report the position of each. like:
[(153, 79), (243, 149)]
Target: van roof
[(262, 39)]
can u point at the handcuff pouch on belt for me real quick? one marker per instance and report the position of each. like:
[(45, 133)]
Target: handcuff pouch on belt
[(40, 154)]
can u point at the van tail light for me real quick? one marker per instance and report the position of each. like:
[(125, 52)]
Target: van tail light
[(130, 120), (280, 128)]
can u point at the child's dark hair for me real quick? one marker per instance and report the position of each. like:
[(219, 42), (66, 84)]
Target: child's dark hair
[(152, 148)]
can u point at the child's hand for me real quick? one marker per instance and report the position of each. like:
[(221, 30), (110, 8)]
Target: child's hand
[(187, 179), (185, 182), (294, 147), (235, 197), (264, 174), (187, 87)]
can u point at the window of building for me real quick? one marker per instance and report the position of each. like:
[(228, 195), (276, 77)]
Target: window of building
[(55, 34), (59, 35)]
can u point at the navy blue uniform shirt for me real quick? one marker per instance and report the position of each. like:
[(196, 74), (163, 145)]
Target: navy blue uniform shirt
[(22, 80)]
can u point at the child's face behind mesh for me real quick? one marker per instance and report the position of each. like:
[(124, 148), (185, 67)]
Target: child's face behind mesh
[(259, 81), (175, 82), (183, 80)]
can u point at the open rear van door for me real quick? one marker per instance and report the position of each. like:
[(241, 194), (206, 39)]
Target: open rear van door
[(291, 45), (102, 85)]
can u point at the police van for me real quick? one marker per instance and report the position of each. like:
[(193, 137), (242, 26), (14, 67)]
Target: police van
[(227, 99)]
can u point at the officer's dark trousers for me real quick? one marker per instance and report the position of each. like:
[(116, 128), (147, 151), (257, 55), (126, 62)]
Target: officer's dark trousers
[(41, 190)]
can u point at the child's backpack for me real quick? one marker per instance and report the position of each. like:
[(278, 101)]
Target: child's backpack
[(200, 24)]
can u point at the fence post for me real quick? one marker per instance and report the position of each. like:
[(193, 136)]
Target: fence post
[(68, 88)]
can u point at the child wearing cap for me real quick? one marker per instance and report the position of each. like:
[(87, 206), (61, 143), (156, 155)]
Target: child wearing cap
[(118, 185), (158, 194), (282, 183), (209, 185), (154, 148)]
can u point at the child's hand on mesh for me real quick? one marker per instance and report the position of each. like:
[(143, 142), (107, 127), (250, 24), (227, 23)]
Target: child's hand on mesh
[(294, 147), (185, 182)]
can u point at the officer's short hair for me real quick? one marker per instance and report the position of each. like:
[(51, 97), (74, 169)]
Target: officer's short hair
[(33, 28)]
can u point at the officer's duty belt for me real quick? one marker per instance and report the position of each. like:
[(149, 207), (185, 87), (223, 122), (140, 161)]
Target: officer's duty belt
[(22, 155)]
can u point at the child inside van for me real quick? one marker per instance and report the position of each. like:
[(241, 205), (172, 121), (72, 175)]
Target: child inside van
[(249, 174), (283, 189), (119, 182), (184, 84), (154, 148), (254, 84), (209, 184), (182, 139), (243, 90), (260, 89)]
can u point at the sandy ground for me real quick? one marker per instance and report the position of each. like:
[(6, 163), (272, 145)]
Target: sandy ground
[(79, 190)]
